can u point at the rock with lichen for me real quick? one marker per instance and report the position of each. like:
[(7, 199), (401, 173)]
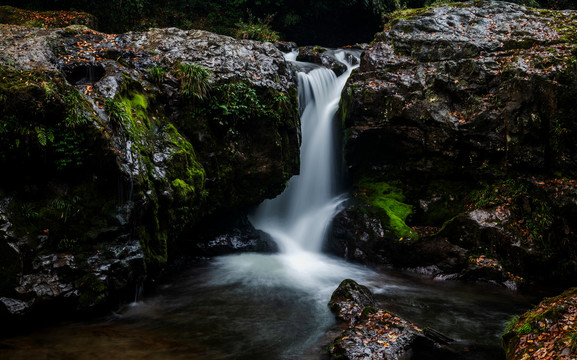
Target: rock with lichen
[(458, 127), (129, 141)]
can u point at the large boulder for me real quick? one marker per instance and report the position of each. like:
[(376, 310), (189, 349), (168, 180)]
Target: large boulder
[(128, 141), (373, 333), (458, 127)]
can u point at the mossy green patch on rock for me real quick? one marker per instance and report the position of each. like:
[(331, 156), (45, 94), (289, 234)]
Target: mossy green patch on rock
[(389, 198), (170, 177)]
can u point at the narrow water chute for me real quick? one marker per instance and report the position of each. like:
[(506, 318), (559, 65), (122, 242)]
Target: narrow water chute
[(298, 218)]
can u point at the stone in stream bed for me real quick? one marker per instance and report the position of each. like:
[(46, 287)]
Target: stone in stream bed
[(373, 333)]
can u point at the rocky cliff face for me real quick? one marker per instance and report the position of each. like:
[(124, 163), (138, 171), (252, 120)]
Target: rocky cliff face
[(459, 127), (114, 147)]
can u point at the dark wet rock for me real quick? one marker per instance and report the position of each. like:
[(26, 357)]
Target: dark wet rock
[(286, 47), (321, 56), (362, 236), (374, 333), (349, 300), (220, 238), (359, 237), (123, 165), (468, 109)]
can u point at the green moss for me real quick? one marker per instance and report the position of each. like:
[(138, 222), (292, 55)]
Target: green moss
[(174, 199), (390, 199), (182, 189)]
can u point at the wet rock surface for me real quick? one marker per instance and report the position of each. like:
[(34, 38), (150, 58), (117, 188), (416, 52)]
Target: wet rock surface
[(123, 161), (319, 55), (373, 333), (216, 238), (458, 126)]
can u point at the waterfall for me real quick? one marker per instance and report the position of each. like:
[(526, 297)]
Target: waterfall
[(298, 218)]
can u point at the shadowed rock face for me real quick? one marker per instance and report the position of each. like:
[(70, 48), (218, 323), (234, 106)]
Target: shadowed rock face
[(123, 160), (468, 85), (458, 127)]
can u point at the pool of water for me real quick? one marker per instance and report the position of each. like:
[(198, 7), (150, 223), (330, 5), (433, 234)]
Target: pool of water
[(270, 307)]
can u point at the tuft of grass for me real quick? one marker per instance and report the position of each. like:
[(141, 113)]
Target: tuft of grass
[(157, 74), (194, 80)]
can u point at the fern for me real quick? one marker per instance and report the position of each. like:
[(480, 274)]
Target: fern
[(44, 136)]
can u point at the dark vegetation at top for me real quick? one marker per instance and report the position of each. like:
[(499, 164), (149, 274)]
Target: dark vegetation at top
[(325, 22)]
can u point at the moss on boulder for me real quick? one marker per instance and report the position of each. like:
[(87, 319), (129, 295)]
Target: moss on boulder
[(121, 166)]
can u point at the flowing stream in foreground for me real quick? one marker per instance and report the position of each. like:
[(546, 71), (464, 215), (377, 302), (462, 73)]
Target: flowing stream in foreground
[(274, 306)]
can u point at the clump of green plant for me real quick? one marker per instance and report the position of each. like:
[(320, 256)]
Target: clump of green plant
[(510, 325), (157, 74), (496, 194), (239, 100), (34, 23), (74, 115), (257, 29), (26, 210), (573, 342), (282, 100), (195, 80)]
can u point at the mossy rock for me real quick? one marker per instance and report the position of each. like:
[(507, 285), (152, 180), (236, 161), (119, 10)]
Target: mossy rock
[(389, 198)]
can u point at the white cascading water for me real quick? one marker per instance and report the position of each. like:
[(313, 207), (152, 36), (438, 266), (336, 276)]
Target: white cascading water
[(298, 219)]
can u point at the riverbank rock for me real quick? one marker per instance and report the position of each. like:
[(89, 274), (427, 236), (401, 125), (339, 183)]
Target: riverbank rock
[(548, 331), (117, 146), (215, 238), (458, 127), (374, 333)]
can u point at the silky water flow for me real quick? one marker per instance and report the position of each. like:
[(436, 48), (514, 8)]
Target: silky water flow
[(274, 306)]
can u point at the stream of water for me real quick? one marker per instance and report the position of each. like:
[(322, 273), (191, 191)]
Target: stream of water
[(274, 306)]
